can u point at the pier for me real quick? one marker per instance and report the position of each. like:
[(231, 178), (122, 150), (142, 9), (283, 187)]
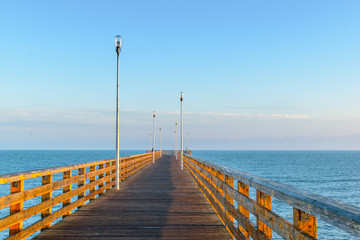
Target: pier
[(160, 201)]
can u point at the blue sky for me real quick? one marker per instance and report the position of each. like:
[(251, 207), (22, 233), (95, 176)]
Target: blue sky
[(255, 74)]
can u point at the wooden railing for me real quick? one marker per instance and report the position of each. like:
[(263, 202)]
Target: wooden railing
[(79, 183), (228, 192)]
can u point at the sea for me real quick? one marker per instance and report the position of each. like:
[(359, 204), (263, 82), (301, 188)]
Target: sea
[(334, 174)]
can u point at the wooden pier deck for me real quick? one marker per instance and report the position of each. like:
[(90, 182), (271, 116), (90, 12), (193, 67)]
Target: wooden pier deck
[(158, 202)]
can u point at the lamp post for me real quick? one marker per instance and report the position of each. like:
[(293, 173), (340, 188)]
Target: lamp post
[(181, 127), (187, 149), (175, 140), (150, 141), (153, 137), (117, 49), (160, 141)]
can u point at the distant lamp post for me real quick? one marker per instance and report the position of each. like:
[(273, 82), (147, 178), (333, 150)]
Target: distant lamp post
[(150, 141), (160, 141), (175, 140), (117, 49), (153, 150), (187, 149), (181, 127)]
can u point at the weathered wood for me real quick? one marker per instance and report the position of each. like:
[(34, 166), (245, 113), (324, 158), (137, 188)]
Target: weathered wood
[(25, 195), (160, 202), (25, 214), (92, 179), (66, 175), (284, 228), (15, 187), (264, 200), (35, 227), (305, 222), (13, 177), (341, 215), (244, 189), (46, 180), (108, 172), (218, 208), (81, 171)]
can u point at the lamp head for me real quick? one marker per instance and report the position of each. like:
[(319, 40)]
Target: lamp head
[(160, 128), (181, 96), (153, 113), (118, 43)]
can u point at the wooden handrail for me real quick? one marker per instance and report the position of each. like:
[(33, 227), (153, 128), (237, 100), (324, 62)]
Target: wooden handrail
[(101, 176), (217, 183)]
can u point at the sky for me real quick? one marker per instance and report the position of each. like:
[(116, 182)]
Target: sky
[(256, 75)]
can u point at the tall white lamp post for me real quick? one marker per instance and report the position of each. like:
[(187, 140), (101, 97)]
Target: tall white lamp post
[(181, 127), (176, 140), (160, 141), (153, 137), (187, 149), (117, 49), (150, 141)]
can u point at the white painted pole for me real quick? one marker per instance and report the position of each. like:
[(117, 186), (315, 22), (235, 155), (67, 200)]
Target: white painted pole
[(150, 141), (187, 149), (160, 141), (182, 142), (153, 136), (176, 140), (118, 49)]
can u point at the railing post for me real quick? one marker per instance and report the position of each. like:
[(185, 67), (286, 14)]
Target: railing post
[(305, 222), (107, 174), (92, 179), (46, 180), (221, 176), (244, 189), (113, 163), (229, 181), (264, 200), (101, 166), (15, 187), (81, 183), (67, 174)]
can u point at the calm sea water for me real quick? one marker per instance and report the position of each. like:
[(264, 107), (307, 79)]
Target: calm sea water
[(335, 174)]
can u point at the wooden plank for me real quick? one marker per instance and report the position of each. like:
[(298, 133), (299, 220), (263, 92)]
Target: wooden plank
[(35, 227), (15, 187), (160, 202), (264, 200), (305, 222), (25, 214), (338, 214), (66, 175), (243, 189), (46, 180), (7, 178), (25, 195), (81, 171), (92, 179), (284, 228)]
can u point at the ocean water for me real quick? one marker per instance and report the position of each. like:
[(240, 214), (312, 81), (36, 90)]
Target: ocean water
[(335, 174)]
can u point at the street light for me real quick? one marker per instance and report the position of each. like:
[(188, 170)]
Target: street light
[(117, 49), (160, 141), (150, 141), (175, 140), (181, 123), (153, 137), (187, 149)]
